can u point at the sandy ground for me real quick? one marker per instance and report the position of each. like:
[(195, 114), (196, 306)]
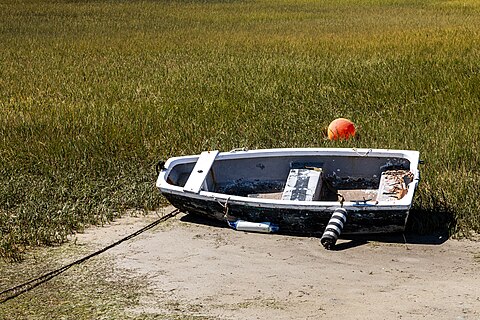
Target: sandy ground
[(194, 268)]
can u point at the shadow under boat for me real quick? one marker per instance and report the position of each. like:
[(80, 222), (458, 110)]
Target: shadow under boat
[(411, 236)]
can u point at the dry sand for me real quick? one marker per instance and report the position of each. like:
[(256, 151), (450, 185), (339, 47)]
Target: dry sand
[(200, 269)]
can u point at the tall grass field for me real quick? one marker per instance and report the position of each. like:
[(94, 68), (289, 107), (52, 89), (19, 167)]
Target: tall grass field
[(94, 93)]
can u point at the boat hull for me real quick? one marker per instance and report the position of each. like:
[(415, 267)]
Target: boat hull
[(374, 186), (295, 221)]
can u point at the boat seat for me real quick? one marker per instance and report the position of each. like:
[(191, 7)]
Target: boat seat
[(196, 180), (394, 185), (303, 185)]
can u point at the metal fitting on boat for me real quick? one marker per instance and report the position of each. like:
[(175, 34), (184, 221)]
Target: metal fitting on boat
[(334, 228)]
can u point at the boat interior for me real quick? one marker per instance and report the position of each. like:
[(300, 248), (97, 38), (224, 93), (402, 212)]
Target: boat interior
[(300, 178)]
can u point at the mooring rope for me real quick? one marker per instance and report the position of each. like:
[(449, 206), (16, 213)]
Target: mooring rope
[(17, 290), (364, 154), (225, 208)]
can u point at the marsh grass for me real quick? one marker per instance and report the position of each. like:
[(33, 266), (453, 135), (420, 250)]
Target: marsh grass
[(94, 93)]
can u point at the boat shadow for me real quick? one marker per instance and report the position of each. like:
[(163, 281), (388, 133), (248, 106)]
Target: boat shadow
[(393, 238), (410, 237), (198, 219), (423, 227)]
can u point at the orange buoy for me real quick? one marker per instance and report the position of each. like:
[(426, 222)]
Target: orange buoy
[(341, 128)]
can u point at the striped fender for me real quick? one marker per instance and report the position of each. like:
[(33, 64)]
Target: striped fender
[(334, 228)]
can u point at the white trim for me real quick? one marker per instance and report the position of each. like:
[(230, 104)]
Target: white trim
[(403, 204), (199, 173)]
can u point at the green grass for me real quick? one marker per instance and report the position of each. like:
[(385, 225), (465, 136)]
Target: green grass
[(94, 93)]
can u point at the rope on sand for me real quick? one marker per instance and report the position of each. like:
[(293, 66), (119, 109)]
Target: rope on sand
[(17, 290)]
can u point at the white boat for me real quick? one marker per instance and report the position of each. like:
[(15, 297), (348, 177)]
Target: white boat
[(296, 190)]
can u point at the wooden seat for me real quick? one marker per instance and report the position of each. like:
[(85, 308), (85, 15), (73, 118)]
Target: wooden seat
[(303, 185), (199, 173), (394, 185)]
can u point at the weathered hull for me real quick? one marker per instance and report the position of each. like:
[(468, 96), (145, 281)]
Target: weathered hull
[(299, 221), (297, 190)]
